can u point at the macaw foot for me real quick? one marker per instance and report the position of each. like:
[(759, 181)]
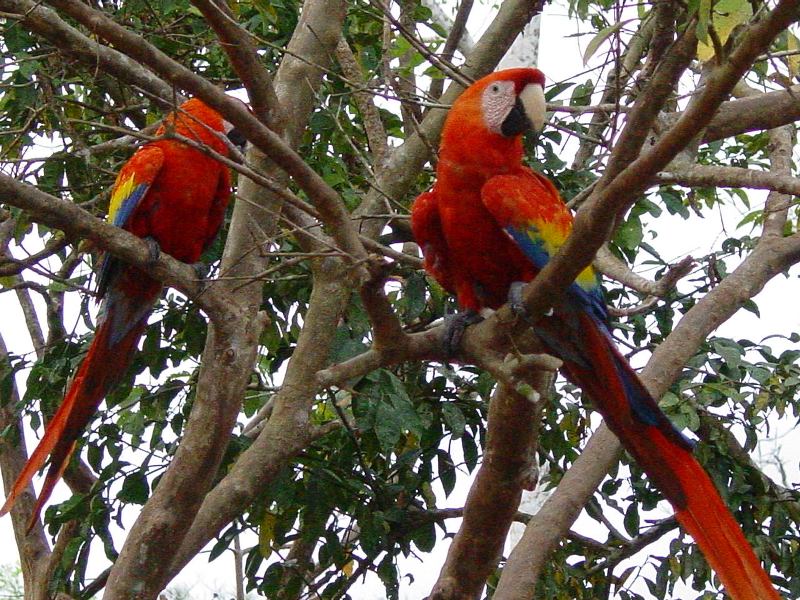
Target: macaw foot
[(153, 249), (454, 328), (201, 269)]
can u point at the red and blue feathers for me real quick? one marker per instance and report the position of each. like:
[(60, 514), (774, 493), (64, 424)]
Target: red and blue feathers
[(489, 222), (174, 195)]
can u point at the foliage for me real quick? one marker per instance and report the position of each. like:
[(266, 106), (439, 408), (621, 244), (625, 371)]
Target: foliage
[(11, 582), (368, 493)]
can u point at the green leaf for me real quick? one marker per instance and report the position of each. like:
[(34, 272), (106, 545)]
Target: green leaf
[(266, 533), (631, 520), (600, 37), (470, 449), (731, 354), (630, 234), (425, 537), (454, 418), (447, 471), (726, 16), (388, 426), (793, 60), (135, 488)]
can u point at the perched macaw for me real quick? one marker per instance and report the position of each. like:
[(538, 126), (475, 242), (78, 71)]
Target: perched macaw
[(490, 222), (174, 196)]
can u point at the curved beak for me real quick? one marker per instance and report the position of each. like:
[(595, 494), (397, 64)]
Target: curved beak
[(236, 137), (532, 99)]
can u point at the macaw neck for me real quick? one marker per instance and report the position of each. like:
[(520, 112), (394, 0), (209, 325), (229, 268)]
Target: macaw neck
[(470, 156)]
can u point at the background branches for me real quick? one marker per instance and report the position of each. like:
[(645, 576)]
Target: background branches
[(320, 331)]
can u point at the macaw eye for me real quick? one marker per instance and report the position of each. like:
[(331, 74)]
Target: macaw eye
[(495, 88)]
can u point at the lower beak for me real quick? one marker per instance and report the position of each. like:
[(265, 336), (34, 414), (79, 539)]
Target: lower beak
[(516, 122)]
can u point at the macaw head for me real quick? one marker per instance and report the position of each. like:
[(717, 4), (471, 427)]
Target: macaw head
[(511, 101), (492, 114), (194, 116)]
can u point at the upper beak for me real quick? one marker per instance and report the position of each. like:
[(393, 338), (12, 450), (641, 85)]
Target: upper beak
[(532, 99)]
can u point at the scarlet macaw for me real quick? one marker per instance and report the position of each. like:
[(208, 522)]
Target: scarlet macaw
[(488, 223), (174, 196)]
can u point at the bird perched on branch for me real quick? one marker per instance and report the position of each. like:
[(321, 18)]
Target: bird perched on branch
[(488, 225), (174, 196)]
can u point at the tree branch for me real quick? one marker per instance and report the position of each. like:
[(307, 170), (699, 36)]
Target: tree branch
[(245, 61), (755, 113), (717, 176), (47, 24), (34, 552), (508, 461)]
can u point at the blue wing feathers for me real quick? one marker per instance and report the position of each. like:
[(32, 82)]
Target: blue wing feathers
[(121, 217), (591, 303), (590, 300), (124, 312), (129, 204)]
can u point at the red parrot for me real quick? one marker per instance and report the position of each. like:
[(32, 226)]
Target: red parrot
[(489, 223), (174, 196)]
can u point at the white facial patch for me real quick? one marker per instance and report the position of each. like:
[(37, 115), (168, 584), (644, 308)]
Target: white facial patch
[(532, 98), (497, 101)]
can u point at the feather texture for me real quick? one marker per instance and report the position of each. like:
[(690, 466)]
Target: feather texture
[(175, 195), (488, 222)]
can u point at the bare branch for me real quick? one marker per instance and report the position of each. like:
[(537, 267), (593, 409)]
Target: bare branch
[(755, 113), (508, 463), (78, 223), (614, 87), (243, 56), (34, 552), (718, 176), (373, 126), (387, 329), (778, 204), (615, 269), (452, 42)]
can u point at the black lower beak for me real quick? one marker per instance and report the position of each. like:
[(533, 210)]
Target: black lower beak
[(516, 122), (237, 138)]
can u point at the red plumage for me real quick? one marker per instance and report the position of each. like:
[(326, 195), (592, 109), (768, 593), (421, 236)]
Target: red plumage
[(176, 195), (489, 221)]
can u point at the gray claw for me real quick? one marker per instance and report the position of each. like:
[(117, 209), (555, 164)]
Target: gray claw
[(454, 328), (201, 269), (153, 248)]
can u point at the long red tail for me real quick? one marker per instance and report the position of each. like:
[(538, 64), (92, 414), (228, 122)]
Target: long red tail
[(122, 321), (666, 457)]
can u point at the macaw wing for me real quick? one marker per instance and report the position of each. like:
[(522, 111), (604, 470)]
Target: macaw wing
[(131, 186), (530, 210), (427, 227), (216, 213)]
